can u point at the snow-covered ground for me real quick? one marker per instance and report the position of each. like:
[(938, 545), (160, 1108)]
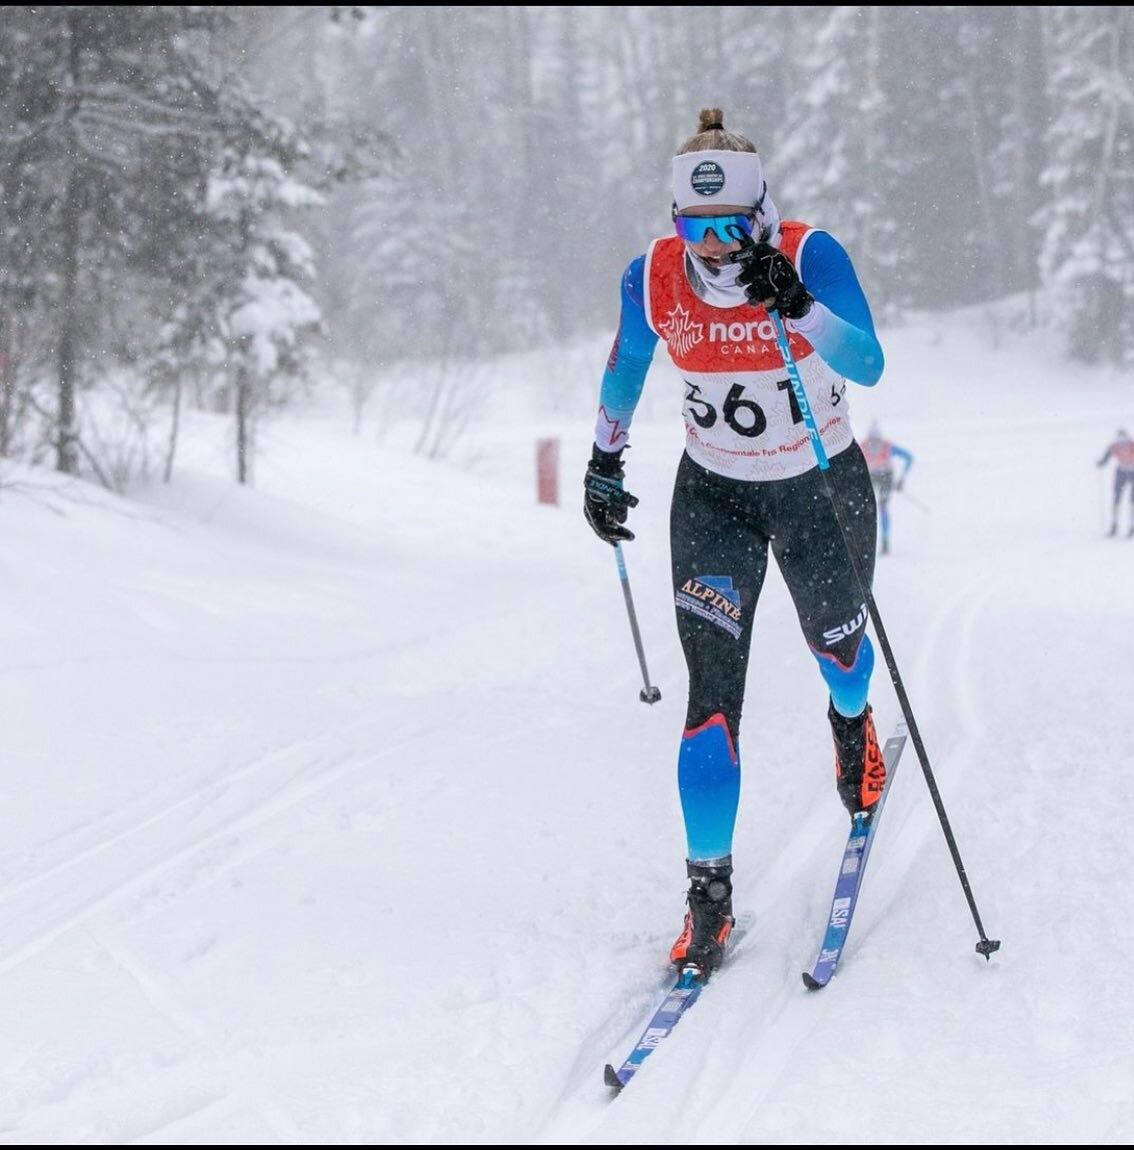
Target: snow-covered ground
[(329, 812)]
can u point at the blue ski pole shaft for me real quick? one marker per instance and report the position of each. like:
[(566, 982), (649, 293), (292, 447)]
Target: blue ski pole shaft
[(648, 694), (986, 945)]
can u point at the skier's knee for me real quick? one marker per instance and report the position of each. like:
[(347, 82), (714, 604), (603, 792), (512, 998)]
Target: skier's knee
[(849, 685)]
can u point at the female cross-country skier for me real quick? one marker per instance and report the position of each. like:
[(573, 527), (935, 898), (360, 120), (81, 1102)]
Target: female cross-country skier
[(747, 483)]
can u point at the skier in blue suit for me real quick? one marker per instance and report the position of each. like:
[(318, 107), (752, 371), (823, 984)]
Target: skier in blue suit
[(748, 487)]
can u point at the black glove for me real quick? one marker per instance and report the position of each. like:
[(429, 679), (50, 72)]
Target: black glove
[(605, 502), (770, 280)]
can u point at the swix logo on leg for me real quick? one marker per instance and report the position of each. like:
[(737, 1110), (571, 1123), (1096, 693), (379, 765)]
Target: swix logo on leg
[(838, 634)]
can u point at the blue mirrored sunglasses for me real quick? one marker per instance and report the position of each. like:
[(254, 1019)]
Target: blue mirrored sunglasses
[(695, 228)]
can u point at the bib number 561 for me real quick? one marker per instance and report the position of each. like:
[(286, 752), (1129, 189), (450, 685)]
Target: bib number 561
[(745, 416)]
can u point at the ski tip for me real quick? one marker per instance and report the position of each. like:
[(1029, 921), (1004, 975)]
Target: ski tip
[(610, 1077), (811, 982)]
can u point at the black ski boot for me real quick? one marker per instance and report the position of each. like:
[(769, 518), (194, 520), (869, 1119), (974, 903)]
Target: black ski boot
[(708, 921), (859, 768)]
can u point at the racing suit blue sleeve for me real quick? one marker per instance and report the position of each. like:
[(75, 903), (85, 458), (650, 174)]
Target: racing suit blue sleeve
[(841, 329), (628, 363), (902, 454)]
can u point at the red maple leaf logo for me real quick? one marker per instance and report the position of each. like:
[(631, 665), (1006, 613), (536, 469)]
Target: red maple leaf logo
[(680, 332)]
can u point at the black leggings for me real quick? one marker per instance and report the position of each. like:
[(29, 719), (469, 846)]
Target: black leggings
[(720, 532), (1122, 477)]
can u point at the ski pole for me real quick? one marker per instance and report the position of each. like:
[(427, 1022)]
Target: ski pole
[(648, 694), (916, 502), (1104, 504), (985, 946)]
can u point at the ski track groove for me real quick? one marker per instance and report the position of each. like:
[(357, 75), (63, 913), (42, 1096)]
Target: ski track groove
[(272, 801), (766, 1062), (284, 1131), (950, 635), (218, 785)]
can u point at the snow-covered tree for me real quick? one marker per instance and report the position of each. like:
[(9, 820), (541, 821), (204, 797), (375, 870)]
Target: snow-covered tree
[(262, 309), (104, 103), (1088, 220)]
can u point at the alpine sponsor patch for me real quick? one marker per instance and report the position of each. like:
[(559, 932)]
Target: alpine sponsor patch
[(713, 598)]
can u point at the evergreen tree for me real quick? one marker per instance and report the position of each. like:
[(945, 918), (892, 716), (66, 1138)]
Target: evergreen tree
[(1088, 222), (837, 165), (107, 102), (262, 309), (1018, 145)]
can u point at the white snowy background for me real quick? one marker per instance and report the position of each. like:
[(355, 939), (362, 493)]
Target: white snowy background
[(329, 812)]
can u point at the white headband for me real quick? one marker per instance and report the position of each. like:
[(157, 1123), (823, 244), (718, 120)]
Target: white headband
[(717, 178)]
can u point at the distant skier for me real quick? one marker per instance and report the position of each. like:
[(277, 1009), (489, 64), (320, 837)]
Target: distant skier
[(1122, 452), (881, 454)]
